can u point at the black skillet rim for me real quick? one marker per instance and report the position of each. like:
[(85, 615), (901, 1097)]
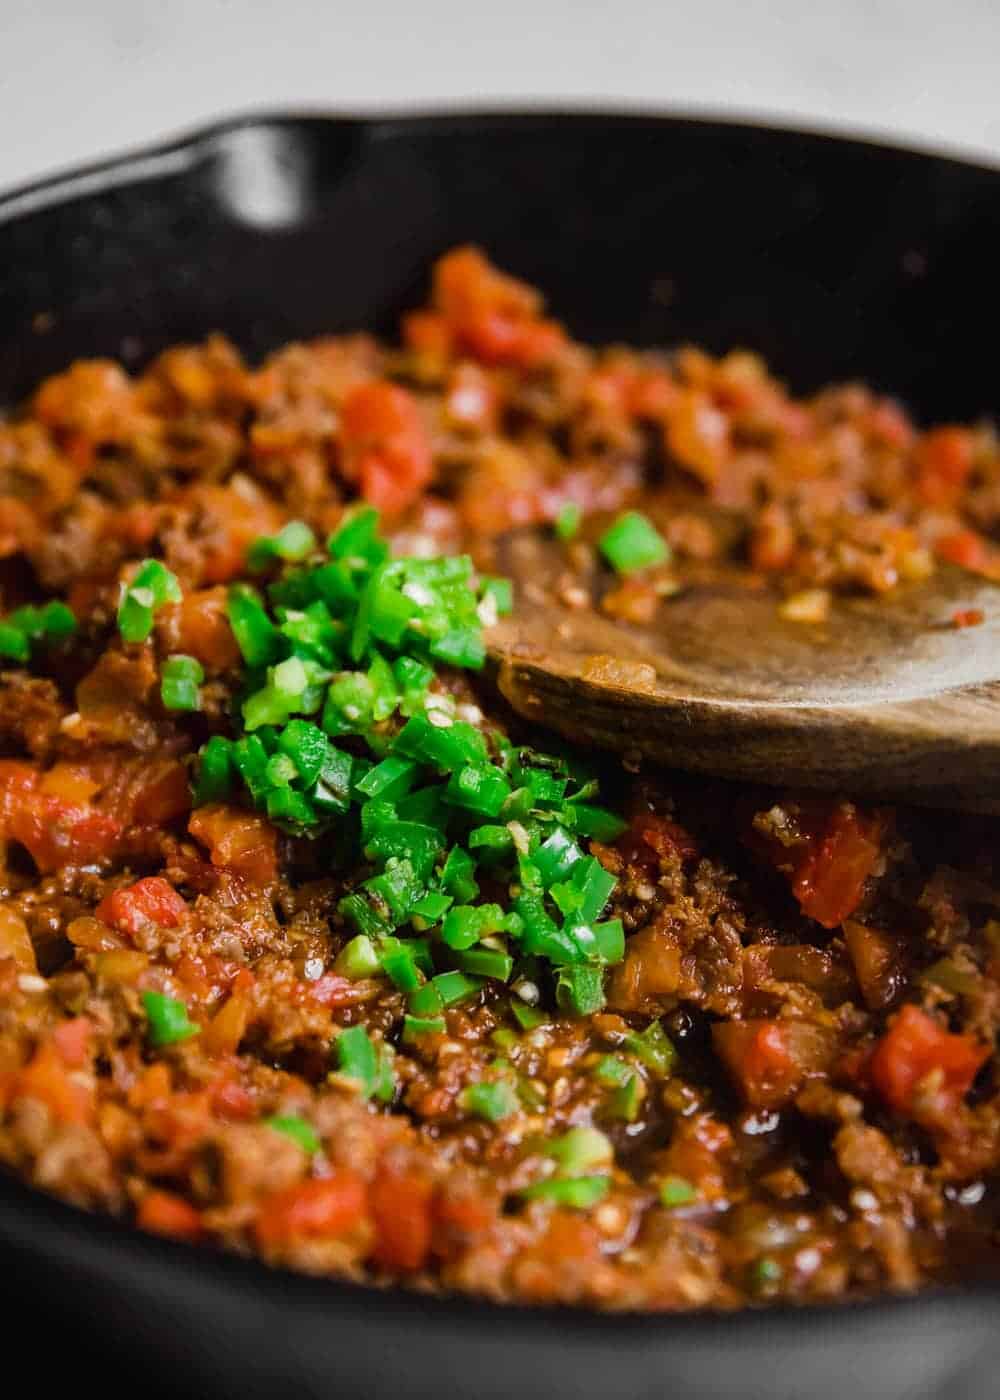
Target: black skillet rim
[(118, 1243)]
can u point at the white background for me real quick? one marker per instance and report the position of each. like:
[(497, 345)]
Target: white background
[(81, 78)]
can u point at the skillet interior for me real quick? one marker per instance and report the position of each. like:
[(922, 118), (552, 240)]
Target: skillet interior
[(836, 260)]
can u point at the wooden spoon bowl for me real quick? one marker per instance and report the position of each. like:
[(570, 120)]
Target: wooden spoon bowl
[(887, 696)]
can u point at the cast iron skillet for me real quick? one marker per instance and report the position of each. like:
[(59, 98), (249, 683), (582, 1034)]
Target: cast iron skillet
[(836, 259)]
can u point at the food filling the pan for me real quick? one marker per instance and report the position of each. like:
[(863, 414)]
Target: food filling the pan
[(311, 950)]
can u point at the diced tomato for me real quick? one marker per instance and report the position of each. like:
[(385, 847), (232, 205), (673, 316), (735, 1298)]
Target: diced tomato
[(772, 544), (888, 422), (149, 901), (968, 617), (649, 836), (770, 1060), (231, 1101), (830, 879), (497, 339), (163, 1213), (698, 1152), (199, 627), (152, 1087), (19, 527), (325, 1209), (135, 525), (70, 781), (195, 977), (963, 547), (697, 435), (652, 395), (72, 1040), (16, 942), (93, 401), (667, 837), (384, 445), (916, 1046), (228, 1026), (401, 1210), (48, 1078), (562, 1262), (607, 390), (471, 399), (230, 521), (16, 780), (238, 841), (160, 794), (626, 389), (491, 315), (57, 833), (651, 969), (459, 1218), (332, 990), (179, 1123), (56, 829), (944, 459), (427, 331)]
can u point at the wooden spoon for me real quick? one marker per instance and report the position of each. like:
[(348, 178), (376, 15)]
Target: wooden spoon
[(887, 696)]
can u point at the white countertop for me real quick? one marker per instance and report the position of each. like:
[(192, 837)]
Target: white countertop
[(83, 78)]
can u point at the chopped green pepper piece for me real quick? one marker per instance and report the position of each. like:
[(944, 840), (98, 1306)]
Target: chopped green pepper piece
[(611, 1070), (363, 916), (13, 643), (598, 823), (457, 876), (567, 522), (764, 1274), (501, 590), (357, 959), (357, 539), (256, 635), (653, 1048), (632, 543), (494, 1102), (360, 1059), (290, 809), (432, 906), (486, 962), (180, 677), (399, 965), (300, 1132), (676, 1191), (580, 1149), (390, 779), (453, 987), (580, 989), (478, 788), (292, 543), (418, 843), (414, 1026), (527, 1017), (426, 1000), (168, 1019), (152, 585), (215, 771), (578, 1194), (627, 1099), (280, 770), (307, 747), (557, 856)]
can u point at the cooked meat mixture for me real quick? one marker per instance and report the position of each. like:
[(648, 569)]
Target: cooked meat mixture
[(310, 950)]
